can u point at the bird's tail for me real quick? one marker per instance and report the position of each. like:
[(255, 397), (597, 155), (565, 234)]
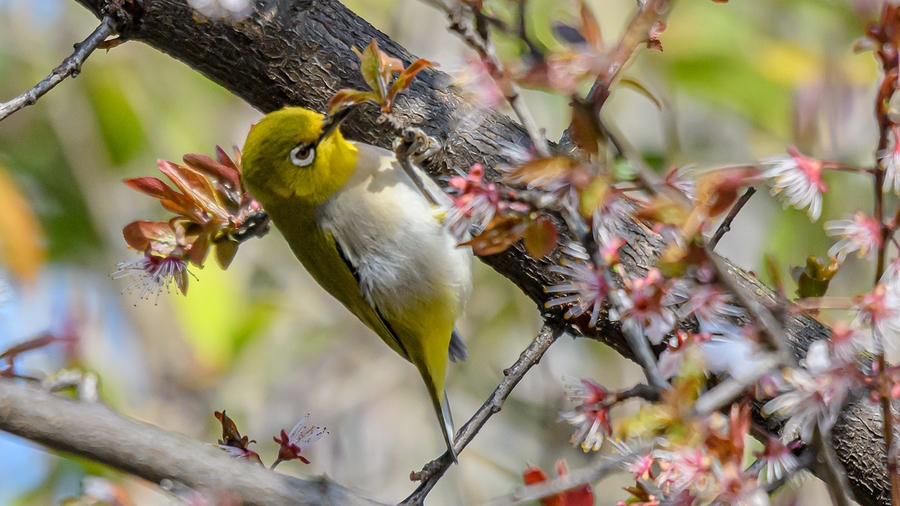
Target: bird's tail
[(442, 409)]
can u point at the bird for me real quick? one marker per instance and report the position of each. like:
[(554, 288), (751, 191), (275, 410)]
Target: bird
[(368, 234)]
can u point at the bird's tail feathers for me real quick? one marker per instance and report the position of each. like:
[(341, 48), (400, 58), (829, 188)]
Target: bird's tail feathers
[(442, 409), (446, 420), (458, 351)]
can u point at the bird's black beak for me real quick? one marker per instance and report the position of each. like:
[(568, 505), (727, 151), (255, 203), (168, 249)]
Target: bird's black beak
[(333, 121)]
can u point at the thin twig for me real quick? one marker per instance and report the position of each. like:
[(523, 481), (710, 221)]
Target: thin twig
[(71, 66), (484, 46), (432, 472), (636, 33), (725, 226), (639, 391), (830, 469), (640, 346), (574, 479)]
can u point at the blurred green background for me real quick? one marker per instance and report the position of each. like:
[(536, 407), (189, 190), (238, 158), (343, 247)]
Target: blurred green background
[(737, 81)]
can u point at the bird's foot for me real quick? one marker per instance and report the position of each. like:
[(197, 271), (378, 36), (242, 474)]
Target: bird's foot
[(420, 147)]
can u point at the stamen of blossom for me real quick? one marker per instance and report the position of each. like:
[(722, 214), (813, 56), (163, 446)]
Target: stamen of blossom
[(584, 392), (707, 302), (879, 308), (797, 180), (891, 276), (779, 458), (641, 310), (737, 488), (593, 426), (730, 348), (677, 348), (586, 289), (814, 396), (301, 437), (684, 468), (153, 273), (609, 249), (890, 162), (475, 202), (677, 178), (639, 464), (861, 234), (846, 343), (477, 81)]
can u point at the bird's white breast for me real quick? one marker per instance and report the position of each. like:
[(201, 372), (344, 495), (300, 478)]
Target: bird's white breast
[(391, 234)]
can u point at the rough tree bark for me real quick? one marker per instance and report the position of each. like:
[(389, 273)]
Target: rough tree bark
[(298, 52), (93, 430)]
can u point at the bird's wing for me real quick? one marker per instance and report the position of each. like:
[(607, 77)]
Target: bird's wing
[(322, 257), (373, 317)]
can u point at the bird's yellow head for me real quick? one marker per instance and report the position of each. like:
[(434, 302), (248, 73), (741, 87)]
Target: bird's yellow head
[(291, 153)]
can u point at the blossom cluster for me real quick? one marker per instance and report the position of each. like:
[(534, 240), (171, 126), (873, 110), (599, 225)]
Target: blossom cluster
[(212, 211)]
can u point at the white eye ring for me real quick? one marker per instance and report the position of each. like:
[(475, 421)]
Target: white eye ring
[(303, 155)]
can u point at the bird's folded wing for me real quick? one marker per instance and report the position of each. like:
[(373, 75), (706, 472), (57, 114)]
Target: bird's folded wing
[(350, 294)]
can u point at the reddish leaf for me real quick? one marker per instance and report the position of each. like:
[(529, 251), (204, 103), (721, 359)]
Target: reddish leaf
[(200, 247), (151, 186), (581, 496), (719, 189), (377, 68), (540, 237), (403, 81), (347, 97), (225, 253), (140, 234), (590, 30), (226, 174), (541, 171), (196, 188), (181, 281), (534, 475), (501, 233), (231, 436), (223, 159), (586, 131), (653, 40), (170, 199)]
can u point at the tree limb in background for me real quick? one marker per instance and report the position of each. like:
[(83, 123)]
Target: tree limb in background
[(94, 431), (70, 67), (300, 53)]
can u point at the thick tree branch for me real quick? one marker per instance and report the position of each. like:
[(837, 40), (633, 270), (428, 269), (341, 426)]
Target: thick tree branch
[(94, 431), (70, 67), (299, 52)]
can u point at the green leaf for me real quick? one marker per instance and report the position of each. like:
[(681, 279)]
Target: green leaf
[(225, 252), (813, 280)]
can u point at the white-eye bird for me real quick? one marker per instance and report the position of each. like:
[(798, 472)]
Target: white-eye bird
[(365, 232)]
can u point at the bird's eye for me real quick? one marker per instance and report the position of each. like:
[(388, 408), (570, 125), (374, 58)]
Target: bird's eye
[(303, 155)]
